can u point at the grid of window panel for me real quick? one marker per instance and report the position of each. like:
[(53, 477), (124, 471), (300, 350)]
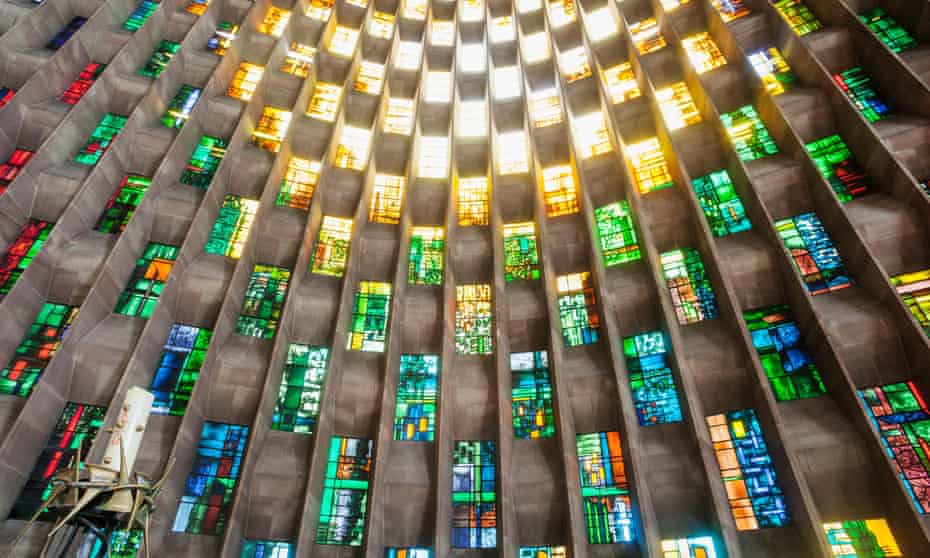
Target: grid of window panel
[(100, 139), (408, 552), (720, 203), (275, 21), (687, 282), (888, 30), (147, 281), (13, 166), (204, 161), (331, 252), (677, 106), (521, 258), (857, 85), (267, 549), (542, 552), (344, 501), (472, 206), (271, 129), (65, 33), (899, 414), (756, 498), (748, 133), (231, 228), (531, 396), (180, 107), (300, 180), (474, 333), (914, 290), (264, 298), (123, 204), (6, 95), (621, 83), (417, 389), (474, 494), (773, 69), (159, 59), (21, 253), (730, 9), (370, 314), (837, 164), (703, 52), (245, 81), (386, 199), (616, 233), (577, 309), (690, 547), (427, 253), (798, 16), (605, 492), (78, 424), (651, 380), (81, 84), (37, 348), (650, 170), (204, 507), (180, 363), (813, 253), (222, 38), (789, 367), (298, 60), (646, 36), (861, 537), (301, 389)]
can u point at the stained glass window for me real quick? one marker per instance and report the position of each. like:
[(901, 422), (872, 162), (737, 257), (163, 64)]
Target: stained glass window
[(325, 101), (77, 425), (750, 137), (267, 549), (231, 228), (533, 415), (82, 83), (689, 286), (408, 55), (264, 298), (650, 170), (720, 203), (370, 78), (703, 52), (471, 119), (441, 32), (6, 95), (344, 502), (352, 150), (147, 281), (542, 552), (591, 135), (600, 24), (501, 29), (474, 494), (472, 204), (204, 161), (386, 199), (512, 155), (398, 117), (408, 552), (678, 108), (888, 30), (180, 108), (208, 492), (343, 41), (621, 83), (561, 12), (370, 314), (902, 419), (861, 538), (756, 498), (320, 9), (158, 61), (301, 389), (427, 249), (574, 64), (521, 257), (616, 233), (197, 7), (13, 166), (813, 253), (123, 544), (299, 182), (222, 38), (691, 547), (245, 81), (646, 36), (331, 252), (772, 68), (789, 367), (417, 389), (605, 493), (799, 17), (545, 107), (275, 21), (858, 87), (730, 9), (100, 139), (181, 359), (271, 129), (298, 60), (473, 321), (140, 15), (535, 47), (433, 161), (381, 25), (560, 190), (837, 164), (21, 252), (577, 310), (914, 290), (65, 33), (651, 379), (38, 346)]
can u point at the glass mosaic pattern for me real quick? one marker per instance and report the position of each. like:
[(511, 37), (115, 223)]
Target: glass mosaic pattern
[(13, 166), (204, 506), (533, 415), (222, 38), (773, 69), (204, 161), (301, 389), (181, 360), (703, 52), (690, 547), (100, 139), (542, 552), (264, 298), (616, 233), (231, 228), (521, 258), (179, 109), (914, 290), (900, 415), (408, 552), (81, 84), (721, 204), (147, 281), (344, 502), (605, 492), (267, 549), (474, 494), (857, 85), (888, 30), (578, 309), (331, 252), (140, 15), (861, 538), (756, 498), (21, 252), (687, 282), (65, 33), (427, 253), (750, 137), (161, 56), (6, 95), (651, 379), (417, 391), (813, 253), (837, 164), (790, 369), (300, 180), (39, 344), (799, 17), (122, 205), (370, 314), (730, 9), (473, 321)]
